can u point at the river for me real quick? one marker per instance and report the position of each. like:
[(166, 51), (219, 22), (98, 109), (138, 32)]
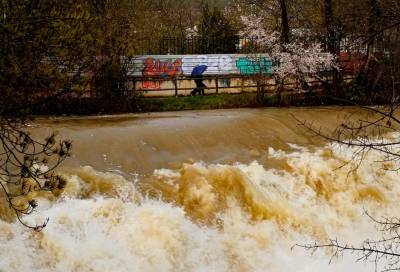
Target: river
[(223, 190)]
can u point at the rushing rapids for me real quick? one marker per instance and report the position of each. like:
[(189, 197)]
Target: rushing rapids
[(211, 191)]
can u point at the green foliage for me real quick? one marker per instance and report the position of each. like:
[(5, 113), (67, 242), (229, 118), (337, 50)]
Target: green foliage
[(216, 32), (56, 47), (41, 50), (356, 93)]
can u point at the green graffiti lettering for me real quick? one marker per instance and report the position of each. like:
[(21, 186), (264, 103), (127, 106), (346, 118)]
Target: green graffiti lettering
[(248, 66)]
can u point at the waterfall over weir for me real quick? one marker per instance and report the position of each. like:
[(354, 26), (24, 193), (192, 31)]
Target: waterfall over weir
[(230, 190)]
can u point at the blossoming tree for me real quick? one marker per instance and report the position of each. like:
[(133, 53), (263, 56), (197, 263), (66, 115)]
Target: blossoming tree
[(294, 61)]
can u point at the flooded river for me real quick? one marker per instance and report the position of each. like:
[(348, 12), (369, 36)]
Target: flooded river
[(226, 190)]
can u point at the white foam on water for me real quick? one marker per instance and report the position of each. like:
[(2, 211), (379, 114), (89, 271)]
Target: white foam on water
[(240, 217)]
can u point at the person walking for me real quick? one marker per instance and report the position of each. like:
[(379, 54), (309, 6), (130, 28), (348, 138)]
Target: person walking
[(197, 75)]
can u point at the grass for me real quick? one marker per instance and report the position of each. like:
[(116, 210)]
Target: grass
[(213, 101)]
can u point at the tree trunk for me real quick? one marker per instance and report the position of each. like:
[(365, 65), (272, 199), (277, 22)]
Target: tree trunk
[(285, 39), (330, 27), (285, 22), (333, 45), (375, 14)]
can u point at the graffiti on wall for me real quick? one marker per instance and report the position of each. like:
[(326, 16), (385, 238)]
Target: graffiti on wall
[(215, 64), (167, 66), (225, 82), (352, 63), (154, 69), (160, 68), (151, 85), (248, 66)]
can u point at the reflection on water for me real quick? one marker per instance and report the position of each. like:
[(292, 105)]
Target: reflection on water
[(201, 191)]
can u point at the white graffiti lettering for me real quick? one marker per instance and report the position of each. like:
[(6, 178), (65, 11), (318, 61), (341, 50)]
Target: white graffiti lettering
[(215, 64)]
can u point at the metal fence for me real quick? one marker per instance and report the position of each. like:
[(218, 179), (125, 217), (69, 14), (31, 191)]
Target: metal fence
[(221, 45), (196, 45)]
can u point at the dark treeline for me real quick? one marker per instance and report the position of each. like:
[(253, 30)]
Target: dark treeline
[(50, 48)]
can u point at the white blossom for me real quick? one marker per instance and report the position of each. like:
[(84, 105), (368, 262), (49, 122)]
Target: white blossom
[(296, 59)]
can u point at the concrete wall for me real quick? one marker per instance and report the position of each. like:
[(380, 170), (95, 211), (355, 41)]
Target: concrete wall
[(146, 69), (153, 74)]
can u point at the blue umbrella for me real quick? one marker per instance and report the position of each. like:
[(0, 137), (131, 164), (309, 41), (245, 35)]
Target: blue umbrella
[(198, 70)]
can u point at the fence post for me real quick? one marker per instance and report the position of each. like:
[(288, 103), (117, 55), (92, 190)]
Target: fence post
[(258, 95), (263, 89), (176, 87), (216, 84), (133, 86)]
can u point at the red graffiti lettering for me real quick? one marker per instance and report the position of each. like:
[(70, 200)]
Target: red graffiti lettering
[(151, 85), (155, 69), (351, 63), (158, 68)]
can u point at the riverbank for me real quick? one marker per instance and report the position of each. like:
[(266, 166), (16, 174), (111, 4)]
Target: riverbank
[(120, 105)]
